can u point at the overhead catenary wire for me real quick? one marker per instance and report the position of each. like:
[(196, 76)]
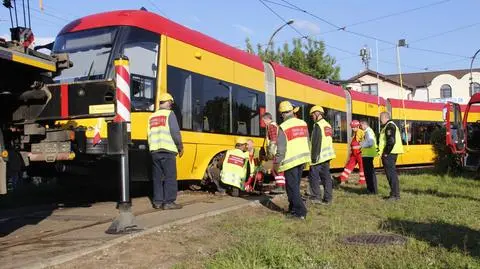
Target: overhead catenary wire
[(326, 45), (157, 8), (294, 7), (344, 29), (373, 37), (50, 15)]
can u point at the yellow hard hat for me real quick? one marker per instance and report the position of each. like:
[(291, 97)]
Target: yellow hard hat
[(285, 106), (241, 140), (166, 97), (316, 108)]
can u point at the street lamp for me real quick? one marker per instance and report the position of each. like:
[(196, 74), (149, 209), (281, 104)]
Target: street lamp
[(274, 33), (402, 43), (471, 65)]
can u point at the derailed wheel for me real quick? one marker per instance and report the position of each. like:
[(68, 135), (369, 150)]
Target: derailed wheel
[(212, 174)]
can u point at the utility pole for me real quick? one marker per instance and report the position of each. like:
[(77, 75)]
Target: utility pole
[(402, 43)]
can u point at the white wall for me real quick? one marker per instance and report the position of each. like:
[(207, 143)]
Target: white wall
[(460, 87), (385, 89)]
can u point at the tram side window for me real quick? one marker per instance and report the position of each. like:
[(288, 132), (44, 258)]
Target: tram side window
[(422, 131), (211, 106), (180, 85), (338, 121), (372, 122), (336, 118), (246, 111), (141, 48)]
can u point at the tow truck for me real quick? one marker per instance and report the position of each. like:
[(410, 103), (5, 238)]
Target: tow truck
[(25, 72), (463, 133)]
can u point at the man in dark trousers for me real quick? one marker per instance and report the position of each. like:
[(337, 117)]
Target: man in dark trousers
[(369, 152), (165, 142), (390, 145), (322, 153), (292, 154)]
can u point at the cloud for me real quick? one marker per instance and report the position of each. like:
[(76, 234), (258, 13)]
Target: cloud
[(308, 26), (244, 29)]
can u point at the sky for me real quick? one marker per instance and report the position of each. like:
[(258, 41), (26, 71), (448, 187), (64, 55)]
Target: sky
[(441, 34)]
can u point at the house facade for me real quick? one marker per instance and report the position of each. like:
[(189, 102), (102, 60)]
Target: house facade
[(438, 86)]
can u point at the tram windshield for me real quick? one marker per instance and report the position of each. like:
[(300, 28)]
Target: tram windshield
[(89, 51)]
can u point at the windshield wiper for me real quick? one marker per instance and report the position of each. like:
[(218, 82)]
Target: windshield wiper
[(90, 70)]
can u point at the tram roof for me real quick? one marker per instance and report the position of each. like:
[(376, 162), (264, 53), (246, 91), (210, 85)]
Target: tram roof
[(397, 103), (367, 98), (158, 24), (300, 78)]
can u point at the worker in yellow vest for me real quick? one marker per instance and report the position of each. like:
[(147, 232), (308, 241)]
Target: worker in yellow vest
[(369, 152), (165, 142), (234, 168), (292, 155), (390, 145), (322, 153)]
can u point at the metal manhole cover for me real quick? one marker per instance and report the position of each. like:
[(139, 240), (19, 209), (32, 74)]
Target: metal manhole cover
[(374, 239)]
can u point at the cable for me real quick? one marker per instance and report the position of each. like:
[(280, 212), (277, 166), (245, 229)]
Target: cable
[(372, 37), (50, 15), (157, 8), (50, 7), (446, 32), (398, 13), (281, 18)]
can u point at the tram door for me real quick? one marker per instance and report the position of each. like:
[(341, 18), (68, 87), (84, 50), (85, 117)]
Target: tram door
[(455, 135)]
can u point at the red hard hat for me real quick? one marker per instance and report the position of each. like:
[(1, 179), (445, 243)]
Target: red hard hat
[(354, 123)]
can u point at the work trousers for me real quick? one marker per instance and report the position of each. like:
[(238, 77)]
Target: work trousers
[(370, 175), (164, 174), (389, 161), (320, 173), (293, 177), (352, 162)]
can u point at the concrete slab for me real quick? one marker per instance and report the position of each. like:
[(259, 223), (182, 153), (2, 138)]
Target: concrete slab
[(71, 233)]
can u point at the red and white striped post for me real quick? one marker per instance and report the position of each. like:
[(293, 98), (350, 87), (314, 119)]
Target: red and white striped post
[(125, 222), (122, 79)]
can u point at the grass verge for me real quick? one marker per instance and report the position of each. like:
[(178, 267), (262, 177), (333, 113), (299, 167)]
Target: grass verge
[(438, 215)]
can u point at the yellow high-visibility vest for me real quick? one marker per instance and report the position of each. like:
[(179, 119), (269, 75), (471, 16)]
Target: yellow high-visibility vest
[(371, 151), (298, 151), (327, 151), (234, 168), (158, 132), (398, 147)]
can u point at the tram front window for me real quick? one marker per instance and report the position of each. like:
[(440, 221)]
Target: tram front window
[(89, 51)]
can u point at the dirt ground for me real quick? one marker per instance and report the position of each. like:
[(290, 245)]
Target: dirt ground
[(190, 243)]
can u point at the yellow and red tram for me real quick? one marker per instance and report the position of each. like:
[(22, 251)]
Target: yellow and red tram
[(220, 92)]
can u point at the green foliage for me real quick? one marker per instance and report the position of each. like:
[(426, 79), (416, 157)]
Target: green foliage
[(446, 163), (308, 57)]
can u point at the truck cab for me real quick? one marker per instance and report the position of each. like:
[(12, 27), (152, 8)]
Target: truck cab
[(463, 131)]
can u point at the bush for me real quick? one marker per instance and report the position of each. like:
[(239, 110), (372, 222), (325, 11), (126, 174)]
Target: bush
[(446, 162)]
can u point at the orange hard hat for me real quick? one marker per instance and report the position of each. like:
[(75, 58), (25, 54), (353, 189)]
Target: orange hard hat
[(354, 124)]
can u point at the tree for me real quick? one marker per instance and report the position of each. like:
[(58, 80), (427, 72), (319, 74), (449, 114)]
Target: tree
[(308, 57)]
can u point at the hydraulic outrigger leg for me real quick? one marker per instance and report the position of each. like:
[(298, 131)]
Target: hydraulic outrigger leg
[(118, 141)]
